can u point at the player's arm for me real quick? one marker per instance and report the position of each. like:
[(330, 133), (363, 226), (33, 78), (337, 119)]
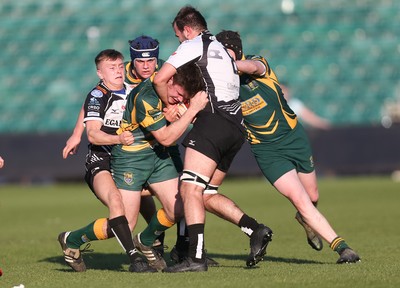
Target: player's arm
[(72, 144), (251, 67), (168, 135), (98, 137), (161, 79), (314, 120)]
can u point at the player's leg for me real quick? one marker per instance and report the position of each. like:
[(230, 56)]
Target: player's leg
[(290, 186), (163, 182), (297, 150), (220, 205), (147, 205), (167, 193), (97, 230), (206, 149), (195, 177), (148, 210), (309, 182), (130, 180), (122, 228)]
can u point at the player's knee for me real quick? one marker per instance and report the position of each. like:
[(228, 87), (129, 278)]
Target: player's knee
[(209, 201)]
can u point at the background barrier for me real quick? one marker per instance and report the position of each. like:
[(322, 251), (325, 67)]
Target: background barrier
[(34, 158)]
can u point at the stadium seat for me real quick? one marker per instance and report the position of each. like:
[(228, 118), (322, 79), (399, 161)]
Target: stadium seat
[(329, 52)]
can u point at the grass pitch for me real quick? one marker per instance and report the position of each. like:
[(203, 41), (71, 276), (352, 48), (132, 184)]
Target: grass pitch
[(365, 211)]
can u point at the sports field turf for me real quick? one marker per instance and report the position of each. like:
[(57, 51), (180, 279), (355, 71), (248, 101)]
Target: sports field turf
[(364, 210)]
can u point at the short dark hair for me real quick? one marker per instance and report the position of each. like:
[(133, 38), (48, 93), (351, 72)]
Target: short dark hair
[(189, 16), (189, 76), (108, 54)]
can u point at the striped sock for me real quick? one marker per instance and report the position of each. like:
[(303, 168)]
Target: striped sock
[(338, 244)]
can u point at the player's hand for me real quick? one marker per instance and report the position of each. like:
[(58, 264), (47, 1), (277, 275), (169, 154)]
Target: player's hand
[(199, 101), (1, 162), (126, 138), (171, 113), (71, 146)]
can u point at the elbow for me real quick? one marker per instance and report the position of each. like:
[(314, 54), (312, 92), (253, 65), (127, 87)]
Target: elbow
[(91, 140), (166, 142), (166, 139)]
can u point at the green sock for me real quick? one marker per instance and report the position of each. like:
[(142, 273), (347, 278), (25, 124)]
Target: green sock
[(158, 224), (91, 232)]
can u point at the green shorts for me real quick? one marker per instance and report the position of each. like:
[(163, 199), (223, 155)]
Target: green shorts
[(291, 152), (132, 170)]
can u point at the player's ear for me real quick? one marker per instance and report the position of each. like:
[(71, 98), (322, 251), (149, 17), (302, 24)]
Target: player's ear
[(186, 31), (99, 74)]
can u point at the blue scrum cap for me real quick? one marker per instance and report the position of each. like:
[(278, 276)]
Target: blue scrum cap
[(144, 47)]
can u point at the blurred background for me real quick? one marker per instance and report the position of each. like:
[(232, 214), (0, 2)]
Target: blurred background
[(341, 58)]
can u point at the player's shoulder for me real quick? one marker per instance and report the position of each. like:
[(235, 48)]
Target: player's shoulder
[(144, 90), (190, 45), (99, 91)]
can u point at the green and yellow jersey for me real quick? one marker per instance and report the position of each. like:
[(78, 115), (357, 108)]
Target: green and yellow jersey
[(267, 116), (143, 114)]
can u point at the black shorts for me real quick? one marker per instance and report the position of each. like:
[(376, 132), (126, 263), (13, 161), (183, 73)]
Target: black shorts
[(96, 161), (217, 138)]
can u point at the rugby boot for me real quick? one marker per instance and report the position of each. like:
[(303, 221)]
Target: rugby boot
[(178, 256), (73, 257), (348, 256), (140, 265), (313, 238), (153, 257), (258, 244), (187, 265)]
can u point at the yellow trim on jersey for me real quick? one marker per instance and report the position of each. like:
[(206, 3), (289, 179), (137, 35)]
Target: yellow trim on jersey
[(266, 125), (125, 126), (151, 119), (253, 139), (138, 147), (291, 118), (130, 76)]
